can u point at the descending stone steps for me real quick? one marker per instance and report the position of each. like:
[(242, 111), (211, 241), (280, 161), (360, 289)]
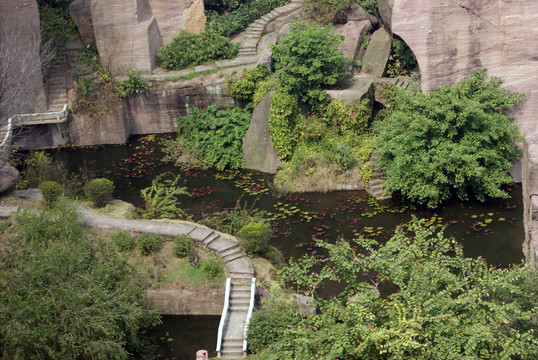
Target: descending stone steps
[(375, 186), (56, 83)]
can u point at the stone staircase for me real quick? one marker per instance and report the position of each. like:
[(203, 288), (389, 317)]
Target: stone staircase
[(375, 186), (56, 83), (252, 35)]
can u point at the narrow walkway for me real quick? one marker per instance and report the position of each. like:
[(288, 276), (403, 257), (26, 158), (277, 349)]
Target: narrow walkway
[(238, 264)]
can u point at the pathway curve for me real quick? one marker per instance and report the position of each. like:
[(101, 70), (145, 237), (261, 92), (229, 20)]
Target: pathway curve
[(238, 264)]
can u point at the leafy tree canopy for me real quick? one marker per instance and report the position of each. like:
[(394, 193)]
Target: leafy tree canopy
[(66, 294), (455, 141), (419, 299), (307, 60)]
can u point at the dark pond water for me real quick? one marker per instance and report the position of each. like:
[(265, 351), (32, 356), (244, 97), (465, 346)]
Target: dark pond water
[(493, 230)]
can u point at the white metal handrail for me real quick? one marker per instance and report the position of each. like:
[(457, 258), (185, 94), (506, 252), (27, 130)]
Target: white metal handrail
[(249, 314), (223, 316), (18, 116)]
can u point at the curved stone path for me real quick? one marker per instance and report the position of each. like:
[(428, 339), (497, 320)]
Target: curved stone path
[(238, 264)]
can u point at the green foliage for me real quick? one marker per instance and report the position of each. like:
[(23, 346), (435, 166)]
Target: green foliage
[(161, 198), (188, 50), (99, 191), (37, 169), (370, 6), (254, 237), (133, 85), (349, 119), (307, 60), (402, 61), (231, 220), (367, 171), (327, 11), (455, 141), (237, 20), (182, 246), (283, 115), (123, 240), (268, 326), (343, 153), (216, 135), (66, 294), (436, 304), (212, 267), (147, 243), (262, 88), (51, 191), (56, 24), (244, 87)]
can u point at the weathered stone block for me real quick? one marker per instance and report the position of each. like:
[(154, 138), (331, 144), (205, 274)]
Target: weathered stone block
[(258, 150), (353, 31), (377, 54)]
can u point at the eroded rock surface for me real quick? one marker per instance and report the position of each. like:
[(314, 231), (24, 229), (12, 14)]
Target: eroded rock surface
[(530, 197), (451, 39), (9, 177)]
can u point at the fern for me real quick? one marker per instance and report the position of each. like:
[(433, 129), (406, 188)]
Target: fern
[(161, 198)]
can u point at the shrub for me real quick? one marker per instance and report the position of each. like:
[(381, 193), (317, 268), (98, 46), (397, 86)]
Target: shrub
[(99, 191), (254, 237), (262, 88), (283, 116), (327, 11), (123, 240), (187, 50), (216, 135), (182, 246), (230, 221), (37, 169), (269, 326), (56, 24), (307, 60), (455, 141), (237, 20), (211, 267), (133, 85), (244, 87), (401, 61), (148, 243), (161, 198), (51, 191), (370, 6), (348, 118)]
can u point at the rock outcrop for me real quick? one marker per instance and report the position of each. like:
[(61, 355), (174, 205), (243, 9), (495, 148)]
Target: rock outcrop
[(9, 177), (377, 53), (451, 39), (530, 197), (128, 33), (21, 88), (258, 150)]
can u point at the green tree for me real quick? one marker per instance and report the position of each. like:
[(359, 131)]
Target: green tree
[(454, 141), (419, 299), (307, 60), (67, 294)]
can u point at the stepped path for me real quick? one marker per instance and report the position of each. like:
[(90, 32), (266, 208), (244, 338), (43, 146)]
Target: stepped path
[(375, 185), (238, 265), (56, 83)]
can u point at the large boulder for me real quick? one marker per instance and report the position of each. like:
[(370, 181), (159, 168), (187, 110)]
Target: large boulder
[(377, 53), (258, 150), (353, 90), (81, 14), (385, 12), (353, 31), (9, 177), (451, 39)]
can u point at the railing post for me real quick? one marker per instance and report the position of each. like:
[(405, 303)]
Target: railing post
[(223, 316), (249, 314)]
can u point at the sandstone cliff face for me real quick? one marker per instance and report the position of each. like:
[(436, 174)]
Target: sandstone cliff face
[(23, 90), (128, 33), (452, 38)]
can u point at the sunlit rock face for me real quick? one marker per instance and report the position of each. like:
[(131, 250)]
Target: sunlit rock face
[(453, 38)]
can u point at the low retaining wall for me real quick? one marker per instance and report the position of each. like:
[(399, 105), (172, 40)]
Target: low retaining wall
[(187, 302)]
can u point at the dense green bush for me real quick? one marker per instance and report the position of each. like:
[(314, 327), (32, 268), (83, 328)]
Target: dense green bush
[(216, 135), (270, 326), (307, 60), (133, 85), (262, 88), (99, 191), (212, 267), (401, 61), (231, 220), (147, 243), (348, 119), (370, 6), (51, 191), (182, 246), (327, 11), (188, 50), (37, 169), (67, 294), (123, 240), (56, 23), (455, 141), (254, 237), (244, 87), (237, 20), (283, 115)]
